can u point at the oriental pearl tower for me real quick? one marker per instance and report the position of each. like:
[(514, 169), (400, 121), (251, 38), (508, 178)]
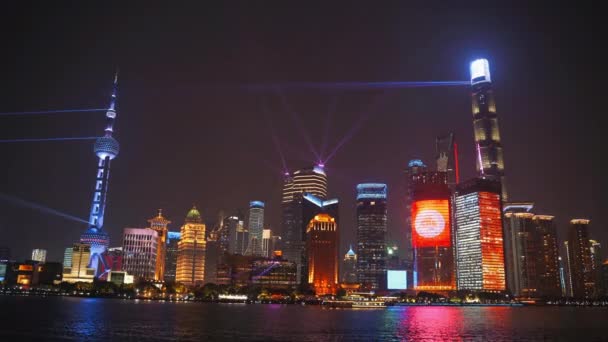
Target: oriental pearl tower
[(106, 148)]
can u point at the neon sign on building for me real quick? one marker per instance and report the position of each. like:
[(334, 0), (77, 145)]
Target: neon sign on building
[(431, 223)]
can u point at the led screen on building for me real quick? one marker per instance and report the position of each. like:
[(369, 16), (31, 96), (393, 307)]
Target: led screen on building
[(396, 280), (431, 223)]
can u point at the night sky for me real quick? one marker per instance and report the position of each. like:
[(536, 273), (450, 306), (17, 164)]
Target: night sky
[(191, 133)]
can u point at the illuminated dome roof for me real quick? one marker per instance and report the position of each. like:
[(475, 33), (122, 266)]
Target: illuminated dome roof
[(194, 216), (106, 147), (350, 251), (416, 162)]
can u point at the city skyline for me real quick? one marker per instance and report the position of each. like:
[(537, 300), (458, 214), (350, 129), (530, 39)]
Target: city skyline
[(351, 164)]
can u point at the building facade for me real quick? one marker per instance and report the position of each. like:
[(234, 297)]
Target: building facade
[(322, 248), (518, 225), (190, 269), (171, 256), (256, 227), (490, 162), (480, 260), (371, 235), (432, 236), (580, 260), (39, 255), (159, 224), (349, 267), (139, 246), (79, 271)]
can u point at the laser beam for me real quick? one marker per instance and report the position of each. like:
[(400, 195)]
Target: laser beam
[(354, 85), (330, 112), (56, 111), (41, 208), (275, 138), (298, 121), (45, 139)]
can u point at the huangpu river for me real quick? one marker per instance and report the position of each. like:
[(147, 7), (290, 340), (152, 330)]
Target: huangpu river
[(70, 318)]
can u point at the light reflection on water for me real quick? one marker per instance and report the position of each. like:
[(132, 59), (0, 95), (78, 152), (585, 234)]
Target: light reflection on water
[(114, 319)]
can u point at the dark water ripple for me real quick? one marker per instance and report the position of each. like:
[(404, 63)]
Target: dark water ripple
[(82, 319)]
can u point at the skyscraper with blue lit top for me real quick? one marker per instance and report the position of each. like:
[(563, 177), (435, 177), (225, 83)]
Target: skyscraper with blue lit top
[(106, 148)]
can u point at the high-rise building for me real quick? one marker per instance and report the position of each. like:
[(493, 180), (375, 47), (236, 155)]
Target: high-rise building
[(106, 148), (518, 224), (597, 258), (191, 250), (212, 257), (322, 249), (266, 243), (447, 158), (275, 245), (39, 255), (256, 227), (242, 238), (231, 223), (371, 235), (547, 257), (304, 208), (159, 224), (432, 233), (580, 261), (312, 180), (490, 163), (67, 257), (480, 260), (415, 167), (349, 267), (223, 233), (79, 270), (171, 256), (139, 246)]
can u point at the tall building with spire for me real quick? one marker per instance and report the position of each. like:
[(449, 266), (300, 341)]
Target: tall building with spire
[(159, 224), (490, 162), (191, 250), (106, 148)]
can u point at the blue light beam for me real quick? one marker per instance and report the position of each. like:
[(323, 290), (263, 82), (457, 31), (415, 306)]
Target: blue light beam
[(45, 139), (58, 111), (41, 208), (298, 122)]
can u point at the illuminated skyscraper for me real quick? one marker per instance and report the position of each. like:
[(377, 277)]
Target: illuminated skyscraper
[(547, 260), (490, 163), (596, 261), (190, 268), (256, 227), (432, 233), (159, 224), (139, 246), (312, 180), (480, 261), (371, 235), (349, 267), (67, 257), (322, 249), (39, 255), (266, 243), (518, 224), (171, 255), (106, 148), (414, 168), (231, 223), (447, 158), (79, 271), (580, 260)]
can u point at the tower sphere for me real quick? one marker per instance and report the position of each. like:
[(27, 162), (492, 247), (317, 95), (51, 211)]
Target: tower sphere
[(106, 147)]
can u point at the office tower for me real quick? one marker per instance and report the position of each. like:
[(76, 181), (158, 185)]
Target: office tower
[(518, 225), (266, 243), (171, 256), (414, 168), (223, 238), (159, 224), (480, 261), (305, 207), (39, 255), (106, 148), (431, 233), (67, 257), (139, 246), (349, 267), (79, 270), (311, 180), (547, 257), (490, 163), (190, 269), (5, 253), (371, 235), (580, 259), (596, 262), (322, 249), (256, 228), (231, 223), (242, 238), (212, 257), (447, 158)]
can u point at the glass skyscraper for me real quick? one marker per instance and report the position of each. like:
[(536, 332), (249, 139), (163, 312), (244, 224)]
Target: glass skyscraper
[(371, 235), (256, 228), (171, 256)]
